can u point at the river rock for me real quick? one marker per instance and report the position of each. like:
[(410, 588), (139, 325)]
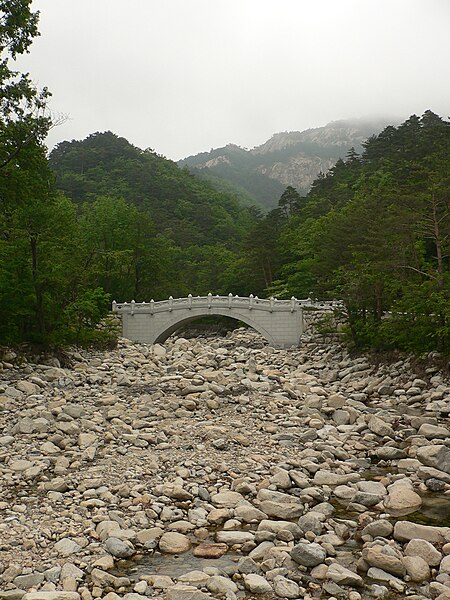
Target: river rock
[(140, 446), (424, 549), (401, 500), (445, 565), (66, 546), (51, 595), (343, 576), (406, 531), (417, 568), (437, 456), (234, 537), (221, 585), (285, 588), (378, 556), (380, 427), (249, 514), (257, 584), (185, 592), (308, 555), (282, 510), (227, 499), (433, 432), (119, 548), (174, 543), (208, 550), (381, 527)]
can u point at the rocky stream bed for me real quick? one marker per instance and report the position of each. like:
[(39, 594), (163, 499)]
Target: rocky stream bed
[(223, 468)]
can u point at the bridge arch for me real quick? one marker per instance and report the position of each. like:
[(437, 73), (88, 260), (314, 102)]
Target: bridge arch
[(179, 323), (280, 322)]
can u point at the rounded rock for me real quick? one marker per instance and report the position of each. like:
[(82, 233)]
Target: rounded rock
[(174, 543)]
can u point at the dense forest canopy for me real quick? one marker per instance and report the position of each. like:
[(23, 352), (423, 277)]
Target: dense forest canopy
[(373, 231), (100, 219)]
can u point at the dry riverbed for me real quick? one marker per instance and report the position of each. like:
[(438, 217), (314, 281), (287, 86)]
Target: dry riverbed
[(222, 468)]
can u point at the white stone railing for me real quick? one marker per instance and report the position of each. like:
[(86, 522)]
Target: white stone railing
[(237, 302)]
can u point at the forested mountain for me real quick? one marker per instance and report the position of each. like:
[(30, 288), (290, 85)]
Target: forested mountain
[(293, 158), (183, 208), (373, 231)]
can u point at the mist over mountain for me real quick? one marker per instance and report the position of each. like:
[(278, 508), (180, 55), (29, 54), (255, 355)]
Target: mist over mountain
[(294, 158)]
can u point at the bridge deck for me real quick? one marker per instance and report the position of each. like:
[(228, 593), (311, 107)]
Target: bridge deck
[(230, 301)]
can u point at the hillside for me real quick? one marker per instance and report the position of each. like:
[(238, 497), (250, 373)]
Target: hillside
[(182, 207), (292, 158)]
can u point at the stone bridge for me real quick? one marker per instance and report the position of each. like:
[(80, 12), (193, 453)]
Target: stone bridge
[(280, 322)]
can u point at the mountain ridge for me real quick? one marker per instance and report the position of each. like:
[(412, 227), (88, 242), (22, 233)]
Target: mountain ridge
[(288, 158)]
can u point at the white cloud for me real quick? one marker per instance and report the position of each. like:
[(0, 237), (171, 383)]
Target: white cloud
[(182, 76)]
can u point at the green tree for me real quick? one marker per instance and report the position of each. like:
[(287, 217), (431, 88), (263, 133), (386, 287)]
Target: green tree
[(290, 201), (23, 116)]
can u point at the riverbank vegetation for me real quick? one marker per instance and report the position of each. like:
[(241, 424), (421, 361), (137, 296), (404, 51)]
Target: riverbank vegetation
[(374, 232), (99, 219)]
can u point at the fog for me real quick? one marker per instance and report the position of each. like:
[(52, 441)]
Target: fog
[(183, 76)]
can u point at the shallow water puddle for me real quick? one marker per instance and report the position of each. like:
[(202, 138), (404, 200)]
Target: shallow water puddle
[(179, 564)]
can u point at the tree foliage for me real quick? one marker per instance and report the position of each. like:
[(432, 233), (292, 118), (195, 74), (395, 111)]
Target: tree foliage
[(374, 232)]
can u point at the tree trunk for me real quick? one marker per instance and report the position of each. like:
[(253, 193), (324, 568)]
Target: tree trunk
[(378, 301), (37, 286), (437, 241)]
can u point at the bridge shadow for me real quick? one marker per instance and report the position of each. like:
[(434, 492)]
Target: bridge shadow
[(211, 326)]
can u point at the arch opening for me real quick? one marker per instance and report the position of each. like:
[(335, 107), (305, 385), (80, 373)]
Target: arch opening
[(182, 323)]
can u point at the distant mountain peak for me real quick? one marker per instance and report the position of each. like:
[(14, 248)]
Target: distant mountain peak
[(287, 158)]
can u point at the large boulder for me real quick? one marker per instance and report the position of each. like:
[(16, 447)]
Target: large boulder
[(308, 555), (437, 456)]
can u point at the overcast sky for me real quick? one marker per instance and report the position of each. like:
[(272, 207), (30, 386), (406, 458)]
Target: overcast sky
[(183, 76)]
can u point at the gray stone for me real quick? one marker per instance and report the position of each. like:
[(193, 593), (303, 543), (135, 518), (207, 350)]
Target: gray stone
[(285, 588), (227, 499), (417, 568), (119, 548), (425, 550), (380, 528), (29, 581), (66, 546), (380, 575), (433, 432), (343, 576), (380, 427), (221, 585), (437, 456), (282, 510), (401, 501), (257, 584), (405, 531), (310, 522), (56, 595), (185, 592), (308, 555), (380, 557), (276, 526)]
